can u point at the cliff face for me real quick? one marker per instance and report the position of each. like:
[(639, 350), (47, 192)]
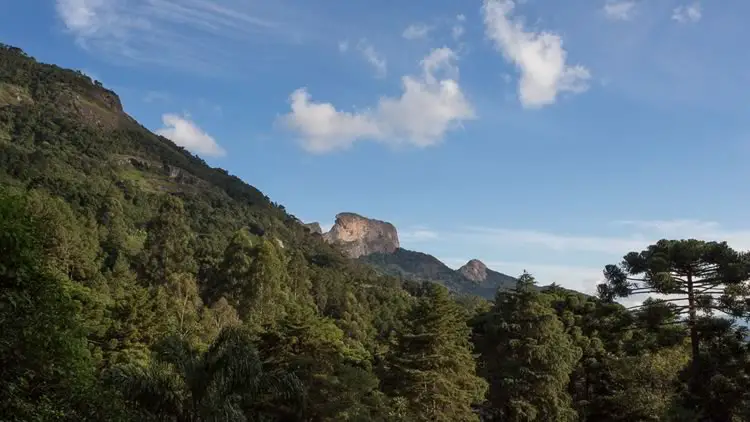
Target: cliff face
[(359, 236)]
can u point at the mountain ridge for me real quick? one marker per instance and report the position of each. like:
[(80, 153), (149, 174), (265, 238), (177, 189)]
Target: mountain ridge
[(375, 242)]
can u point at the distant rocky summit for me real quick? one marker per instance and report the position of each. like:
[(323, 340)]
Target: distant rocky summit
[(474, 270), (359, 236), (376, 243)]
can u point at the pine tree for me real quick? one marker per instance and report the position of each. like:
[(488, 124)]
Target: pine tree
[(432, 365), (527, 357)]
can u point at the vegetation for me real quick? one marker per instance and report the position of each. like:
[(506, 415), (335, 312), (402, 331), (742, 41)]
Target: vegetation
[(137, 283)]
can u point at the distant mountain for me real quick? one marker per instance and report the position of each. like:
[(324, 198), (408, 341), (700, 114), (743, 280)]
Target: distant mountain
[(376, 243)]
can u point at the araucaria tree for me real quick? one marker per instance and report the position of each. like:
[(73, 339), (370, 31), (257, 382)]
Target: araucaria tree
[(696, 276)]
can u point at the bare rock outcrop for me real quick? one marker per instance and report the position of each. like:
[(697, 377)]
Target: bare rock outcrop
[(474, 270), (359, 236)]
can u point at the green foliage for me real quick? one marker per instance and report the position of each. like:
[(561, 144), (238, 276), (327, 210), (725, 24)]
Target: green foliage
[(527, 357), (227, 382), (432, 366), (45, 366)]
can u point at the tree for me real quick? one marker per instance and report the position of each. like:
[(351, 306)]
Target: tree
[(698, 276), (254, 276), (219, 316), (168, 249), (183, 307), (227, 382), (723, 393), (432, 366), (334, 370), (527, 357), (45, 365)]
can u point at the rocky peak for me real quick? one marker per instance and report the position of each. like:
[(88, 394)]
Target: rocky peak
[(314, 227), (361, 236), (474, 270)]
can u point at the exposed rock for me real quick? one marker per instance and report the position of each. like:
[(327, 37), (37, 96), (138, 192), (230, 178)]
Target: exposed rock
[(13, 95), (474, 270), (314, 227), (359, 236)]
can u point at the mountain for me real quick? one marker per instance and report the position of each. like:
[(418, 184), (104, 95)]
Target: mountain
[(376, 243)]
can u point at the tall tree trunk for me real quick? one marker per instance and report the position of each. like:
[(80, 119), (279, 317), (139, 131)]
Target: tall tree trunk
[(695, 347)]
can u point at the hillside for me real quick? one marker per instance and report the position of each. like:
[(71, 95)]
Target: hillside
[(71, 136), (156, 243)]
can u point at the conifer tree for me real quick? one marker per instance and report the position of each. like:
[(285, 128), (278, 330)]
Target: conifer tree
[(527, 357), (432, 365)]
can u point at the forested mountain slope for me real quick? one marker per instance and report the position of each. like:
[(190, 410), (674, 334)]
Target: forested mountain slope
[(137, 283)]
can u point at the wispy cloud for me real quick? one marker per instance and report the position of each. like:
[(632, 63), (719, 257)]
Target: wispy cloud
[(539, 56), (635, 235), (418, 234), (620, 10), (156, 96), (640, 235), (185, 133), (690, 13), (375, 59), (416, 31), (189, 35), (458, 28), (430, 105), (556, 242)]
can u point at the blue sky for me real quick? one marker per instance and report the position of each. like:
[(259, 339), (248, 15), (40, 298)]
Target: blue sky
[(542, 135)]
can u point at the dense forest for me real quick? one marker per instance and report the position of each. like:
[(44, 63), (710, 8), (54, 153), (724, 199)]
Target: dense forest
[(137, 283)]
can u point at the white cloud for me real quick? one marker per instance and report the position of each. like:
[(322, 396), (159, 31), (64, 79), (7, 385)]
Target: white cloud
[(375, 59), (621, 10), (188, 135), (461, 17), (83, 16), (416, 31), (343, 46), (430, 105), (687, 13), (539, 56)]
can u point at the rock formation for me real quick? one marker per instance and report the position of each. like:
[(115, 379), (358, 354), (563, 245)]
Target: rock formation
[(474, 270), (359, 236)]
